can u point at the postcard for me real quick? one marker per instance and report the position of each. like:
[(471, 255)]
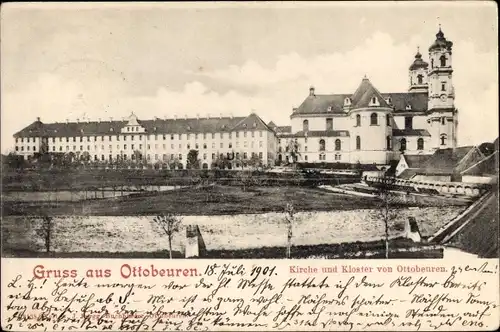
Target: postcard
[(249, 166)]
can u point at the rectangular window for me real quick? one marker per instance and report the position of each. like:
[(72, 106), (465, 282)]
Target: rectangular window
[(244, 155), (132, 146), (329, 124), (408, 122), (260, 155), (213, 135), (230, 145), (81, 147), (261, 133), (53, 148), (125, 146), (213, 155), (221, 145), (443, 86), (171, 137), (253, 134), (237, 134)]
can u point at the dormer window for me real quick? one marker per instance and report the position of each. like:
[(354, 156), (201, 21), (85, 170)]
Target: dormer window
[(110, 129), (329, 109), (254, 124), (347, 101), (244, 125), (408, 107), (188, 127), (374, 101), (388, 100)]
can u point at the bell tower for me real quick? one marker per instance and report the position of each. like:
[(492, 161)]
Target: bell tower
[(441, 91), (418, 74), (442, 116)]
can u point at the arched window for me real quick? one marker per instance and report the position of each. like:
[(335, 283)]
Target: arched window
[(338, 145), (358, 143), (387, 119), (358, 120), (347, 101), (420, 79), (305, 125), (420, 144), (443, 139), (373, 119), (388, 142), (432, 63), (443, 86), (402, 144), (443, 60), (321, 145)]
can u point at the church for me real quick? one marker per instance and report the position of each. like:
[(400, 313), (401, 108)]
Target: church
[(373, 127)]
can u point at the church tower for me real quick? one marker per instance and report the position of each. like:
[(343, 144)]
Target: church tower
[(441, 105), (418, 74)]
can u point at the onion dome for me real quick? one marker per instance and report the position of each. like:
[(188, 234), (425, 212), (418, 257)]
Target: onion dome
[(441, 42), (418, 62)]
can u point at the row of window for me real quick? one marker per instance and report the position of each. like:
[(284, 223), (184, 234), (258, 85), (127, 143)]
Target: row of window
[(152, 137), (329, 122), (132, 146), (165, 157)]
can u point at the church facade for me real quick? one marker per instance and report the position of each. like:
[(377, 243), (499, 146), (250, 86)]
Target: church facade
[(369, 126)]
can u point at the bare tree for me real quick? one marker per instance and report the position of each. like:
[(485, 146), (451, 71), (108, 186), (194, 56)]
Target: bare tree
[(289, 218), (169, 223), (385, 209), (45, 230)]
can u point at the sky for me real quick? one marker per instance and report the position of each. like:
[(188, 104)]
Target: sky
[(63, 62)]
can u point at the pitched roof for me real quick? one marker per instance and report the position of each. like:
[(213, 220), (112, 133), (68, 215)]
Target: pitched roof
[(318, 104), (416, 161), (447, 161), (334, 103), (480, 235), (407, 174), (284, 129), (410, 132), (160, 126), (271, 124), (487, 166), (400, 100), (364, 93)]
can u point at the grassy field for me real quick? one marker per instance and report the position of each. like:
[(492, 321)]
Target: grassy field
[(210, 200)]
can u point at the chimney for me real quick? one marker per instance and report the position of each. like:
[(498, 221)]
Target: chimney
[(175, 116), (38, 119), (198, 116), (208, 115), (220, 115), (99, 120), (231, 115), (110, 119), (67, 120), (294, 109), (185, 117), (77, 120), (311, 91)]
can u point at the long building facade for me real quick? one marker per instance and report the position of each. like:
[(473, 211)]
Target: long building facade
[(235, 140), (368, 126)]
